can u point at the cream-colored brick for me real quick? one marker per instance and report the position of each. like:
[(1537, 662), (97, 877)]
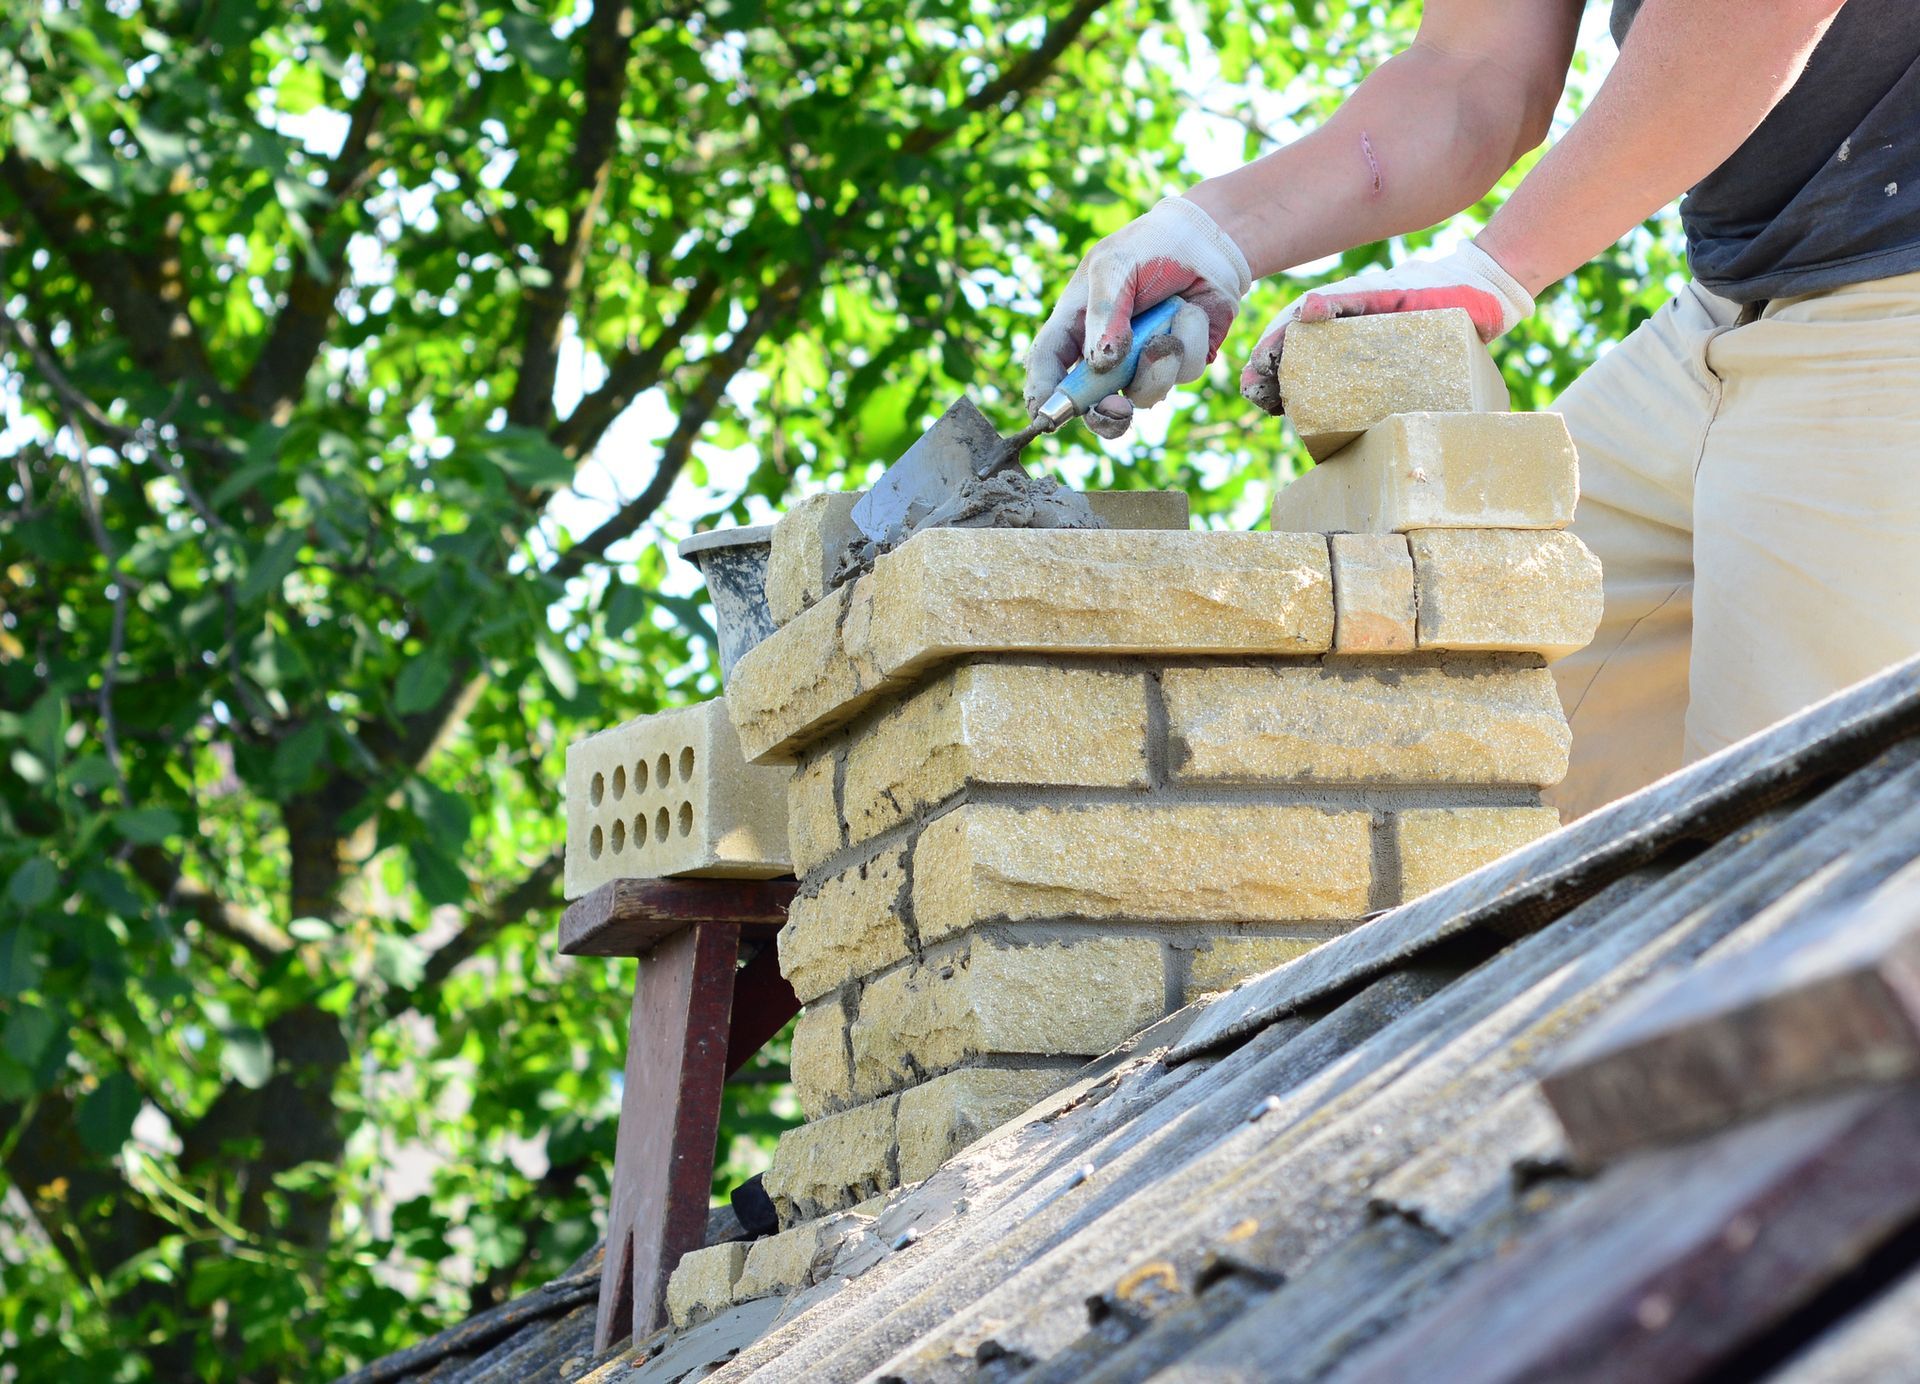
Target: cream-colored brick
[(1077, 997), (807, 544), (1440, 844), (793, 1258), (813, 817), (1490, 589), (669, 794), (1227, 961), (1164, 862), (1372, 593), (821, 1077), (851, 926), (1336, 724), (998, 723), (1439, 471), (830, 1164), (703, 1282), (942, 1117), (1140, 509), (1337, 379), (948, 592), (800, 682)]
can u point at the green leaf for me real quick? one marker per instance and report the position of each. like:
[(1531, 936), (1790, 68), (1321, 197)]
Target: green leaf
[(146, 826), (310, 929), (247, 1056), (439, 876), (559, 670), (398, 961), (421, 682), (19, 966), (270, 566), (29, 1030), (296, 757), (34, 882), (106, 1114)]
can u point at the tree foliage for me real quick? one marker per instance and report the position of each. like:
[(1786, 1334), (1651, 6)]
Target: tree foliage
[(291, 638)]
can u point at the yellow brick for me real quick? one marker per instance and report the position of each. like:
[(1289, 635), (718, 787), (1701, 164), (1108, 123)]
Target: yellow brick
[(1303, 723), (807, 544), (1439, 845), (1439, 471), (703, 1282), (1493, 589), (1058, 998), (1337, 379), (832, 1163), (1372, 593), (813, 818), (1160, 862), (997, 723), (794, 1258), (1229, 960), (821, 1078), (942, 1117), (800, 682), (852, 926), (948, 592)]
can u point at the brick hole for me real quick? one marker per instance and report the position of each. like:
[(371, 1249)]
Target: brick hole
[(686, 765), (597, 842), (619, 836), (597, 789), (640, 776), (663, 769), (640, 830), (619, 782), (662, 824), (686, 819)]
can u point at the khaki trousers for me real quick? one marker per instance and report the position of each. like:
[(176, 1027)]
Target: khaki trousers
[(1752, 489)]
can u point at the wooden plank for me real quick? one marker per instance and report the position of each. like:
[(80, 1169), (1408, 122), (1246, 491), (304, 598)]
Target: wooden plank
[(1532, 887), (763, 1001), (1676, 1261), (1830, 1001), (627, 917), (669, 1118)]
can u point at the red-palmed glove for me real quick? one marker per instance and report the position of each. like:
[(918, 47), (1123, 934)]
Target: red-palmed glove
[(1468, 278), (1174, 249)]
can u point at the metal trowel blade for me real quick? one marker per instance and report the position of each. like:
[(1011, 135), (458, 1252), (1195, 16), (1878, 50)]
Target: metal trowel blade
[(956, 449)]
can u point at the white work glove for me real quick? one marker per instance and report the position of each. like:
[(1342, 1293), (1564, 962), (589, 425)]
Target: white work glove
[(1175, 249), (1468, 278)]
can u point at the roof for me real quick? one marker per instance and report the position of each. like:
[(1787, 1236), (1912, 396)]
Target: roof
[(1352, 1168)]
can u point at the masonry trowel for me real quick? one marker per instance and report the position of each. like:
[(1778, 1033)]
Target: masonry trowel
[(963, 446)]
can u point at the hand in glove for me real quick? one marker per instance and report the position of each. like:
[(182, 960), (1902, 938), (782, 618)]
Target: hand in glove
[(1468, 278), (1175, 249)]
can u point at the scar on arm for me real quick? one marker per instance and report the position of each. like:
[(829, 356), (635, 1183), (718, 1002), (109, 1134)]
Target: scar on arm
[(1373, 164)]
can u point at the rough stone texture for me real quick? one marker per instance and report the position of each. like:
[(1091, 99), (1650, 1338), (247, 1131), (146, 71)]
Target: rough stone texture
[(957, 591), (703, 1282), (669, 794), (996, 723), (821, 1078), (793, 1258), (1302, 723), (1485, 589), (1337, 379), (1372, 594), (799, 682), (813, 818), (1440, 844), (832, 1163), (1078, 997), (942, 1117), (1230, 960), (807, 544), (1439, 471), (1140, 509), (1163, 862), (851, 926)]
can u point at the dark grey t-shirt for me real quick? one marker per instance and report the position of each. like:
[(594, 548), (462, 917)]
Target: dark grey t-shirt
[(1827, 191)]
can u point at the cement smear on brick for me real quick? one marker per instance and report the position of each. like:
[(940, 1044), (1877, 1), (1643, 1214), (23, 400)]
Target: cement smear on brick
[(1010, 499)]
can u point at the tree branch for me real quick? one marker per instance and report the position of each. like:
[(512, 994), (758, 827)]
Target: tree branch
[(536, 892), (237, 924), (634, 373)]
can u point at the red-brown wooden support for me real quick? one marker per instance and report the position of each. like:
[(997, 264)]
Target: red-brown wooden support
[(697, 1017)]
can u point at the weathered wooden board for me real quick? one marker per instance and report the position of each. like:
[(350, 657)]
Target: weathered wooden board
[(627, 917)]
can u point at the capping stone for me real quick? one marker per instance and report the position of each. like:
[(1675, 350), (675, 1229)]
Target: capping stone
[(833, 1163), (1339, 378), (703, 1282), (1172, 863), (1440, 844), (1505, 589), (1305, 723), (681, 770), (1439, 471), (946, 1114), (998, 723), (1373, 609), (850, 927), (821, 1078), (1073, 998)]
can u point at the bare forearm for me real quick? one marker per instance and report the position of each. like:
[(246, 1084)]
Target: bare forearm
[(1425, 135), (1693, 80)]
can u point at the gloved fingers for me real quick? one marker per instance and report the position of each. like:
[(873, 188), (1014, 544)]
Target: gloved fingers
[(1112, 290), (1111, 417), (1162, 366), (1260, 378), (1192, 329), (1056, 347)]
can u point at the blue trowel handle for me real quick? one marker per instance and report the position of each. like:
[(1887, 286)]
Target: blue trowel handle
[(1087, 386)]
